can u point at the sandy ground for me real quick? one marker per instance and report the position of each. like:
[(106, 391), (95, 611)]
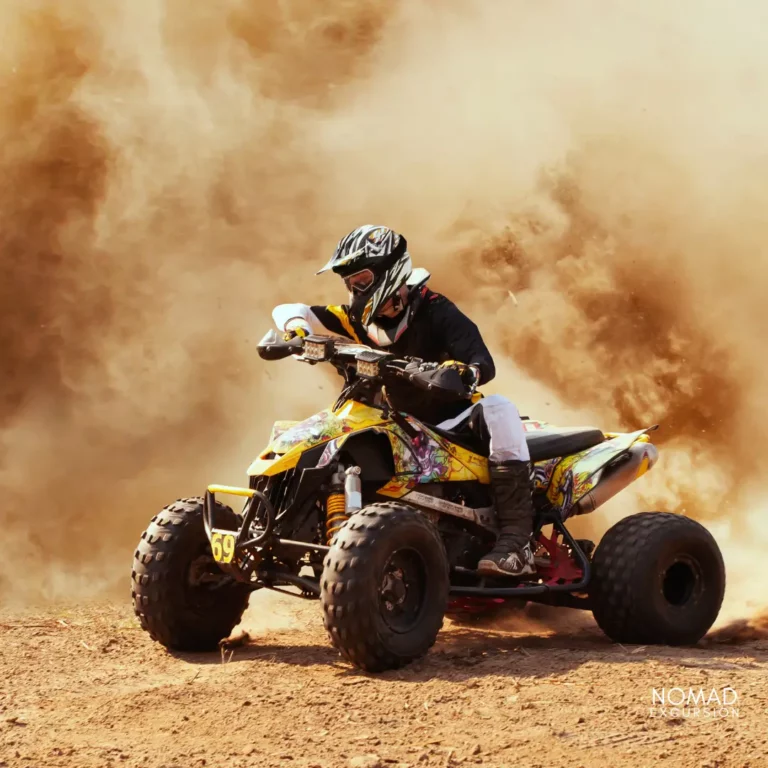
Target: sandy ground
[(86, 687)]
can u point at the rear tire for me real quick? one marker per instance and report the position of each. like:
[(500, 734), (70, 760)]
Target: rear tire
[(384, 588), (179, 594), (657, 578)]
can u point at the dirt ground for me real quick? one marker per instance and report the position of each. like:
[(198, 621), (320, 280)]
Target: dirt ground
[(87, 687)]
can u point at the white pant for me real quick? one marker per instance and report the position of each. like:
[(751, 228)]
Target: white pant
[(504, 426)]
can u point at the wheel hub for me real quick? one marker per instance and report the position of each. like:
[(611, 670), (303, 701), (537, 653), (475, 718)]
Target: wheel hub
[(402, 590), (681, 581), (203, 572), (393, 589)]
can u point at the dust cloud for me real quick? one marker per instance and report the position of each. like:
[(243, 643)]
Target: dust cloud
[(159, 197), (587, 181)]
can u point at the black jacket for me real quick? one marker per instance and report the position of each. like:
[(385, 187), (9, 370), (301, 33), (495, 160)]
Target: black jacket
[(438, 331)]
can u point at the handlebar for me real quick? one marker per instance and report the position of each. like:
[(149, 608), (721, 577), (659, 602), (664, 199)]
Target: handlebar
[(273, 347), (363, 362)]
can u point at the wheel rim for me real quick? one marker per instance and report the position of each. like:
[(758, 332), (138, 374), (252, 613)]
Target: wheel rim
[(682, 581), (402, 590)]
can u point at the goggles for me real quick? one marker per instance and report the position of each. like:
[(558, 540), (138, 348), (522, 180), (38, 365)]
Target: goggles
[(360, 282)]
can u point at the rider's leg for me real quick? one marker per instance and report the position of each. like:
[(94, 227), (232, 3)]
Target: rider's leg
[(510, 467)]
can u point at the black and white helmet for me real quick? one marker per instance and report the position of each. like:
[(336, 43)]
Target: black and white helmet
[(375, 263)]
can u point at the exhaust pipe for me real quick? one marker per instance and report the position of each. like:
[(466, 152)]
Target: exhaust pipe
[(633, 464)]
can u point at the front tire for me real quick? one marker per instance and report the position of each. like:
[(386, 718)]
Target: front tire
[(179, 594), (384, 588), (657, 578)]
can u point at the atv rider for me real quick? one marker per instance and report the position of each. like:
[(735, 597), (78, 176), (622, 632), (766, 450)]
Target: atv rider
[(391, 307)]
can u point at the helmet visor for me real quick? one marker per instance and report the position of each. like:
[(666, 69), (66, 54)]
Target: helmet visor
[(360, 281)]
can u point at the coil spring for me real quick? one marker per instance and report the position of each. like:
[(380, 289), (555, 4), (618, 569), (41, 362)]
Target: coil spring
[(335, 514)]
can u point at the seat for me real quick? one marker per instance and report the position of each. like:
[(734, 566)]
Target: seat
[(546, 444), (543, 444)]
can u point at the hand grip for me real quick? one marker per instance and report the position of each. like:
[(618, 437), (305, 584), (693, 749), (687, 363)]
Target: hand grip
[(273, 347), (445, 383)]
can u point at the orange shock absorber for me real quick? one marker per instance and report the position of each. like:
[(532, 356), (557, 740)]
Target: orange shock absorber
[(335, 513)]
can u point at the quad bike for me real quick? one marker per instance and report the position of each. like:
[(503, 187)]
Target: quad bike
[(384, 518)]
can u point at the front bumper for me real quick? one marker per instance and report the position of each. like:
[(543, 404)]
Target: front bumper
[(241, 553)]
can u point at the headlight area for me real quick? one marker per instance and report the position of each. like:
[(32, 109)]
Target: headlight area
[(317, 349), (368, 364)]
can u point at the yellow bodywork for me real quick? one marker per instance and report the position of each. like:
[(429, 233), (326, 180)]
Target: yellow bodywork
[(440, 462), (566, 480), (290, 440), (269, 467), (431, 458)]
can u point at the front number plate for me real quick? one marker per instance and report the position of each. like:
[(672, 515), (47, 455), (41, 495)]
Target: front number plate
[(223, 546)]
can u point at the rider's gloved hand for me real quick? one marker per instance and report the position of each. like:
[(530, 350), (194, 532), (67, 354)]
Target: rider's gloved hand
[(474, 372), (470, 374), (292, 331), (451, 379)]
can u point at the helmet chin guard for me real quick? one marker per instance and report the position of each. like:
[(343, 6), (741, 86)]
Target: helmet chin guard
[(384, 331)]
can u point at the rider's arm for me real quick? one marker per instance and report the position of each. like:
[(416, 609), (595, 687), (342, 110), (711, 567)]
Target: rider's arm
[(462, 341), (290, 317), (330, 321)]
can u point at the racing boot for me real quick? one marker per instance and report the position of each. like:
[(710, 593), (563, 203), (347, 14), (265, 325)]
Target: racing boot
[(511, 488)]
